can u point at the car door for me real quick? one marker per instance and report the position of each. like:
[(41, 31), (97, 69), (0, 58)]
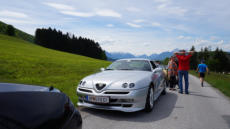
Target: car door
[(161, 78), (156, 77)]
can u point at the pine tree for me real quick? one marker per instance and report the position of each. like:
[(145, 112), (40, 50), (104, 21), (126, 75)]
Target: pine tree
[(193, 59), (10, 30)]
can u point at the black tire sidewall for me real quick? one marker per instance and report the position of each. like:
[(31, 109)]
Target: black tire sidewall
[(148, 108)]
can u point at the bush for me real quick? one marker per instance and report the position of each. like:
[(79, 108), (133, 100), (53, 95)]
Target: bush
[(10, 30)]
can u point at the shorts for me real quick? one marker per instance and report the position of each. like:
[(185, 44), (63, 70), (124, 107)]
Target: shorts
[(202, 75)]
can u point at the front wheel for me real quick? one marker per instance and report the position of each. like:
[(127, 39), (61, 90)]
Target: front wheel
[(150, 100)]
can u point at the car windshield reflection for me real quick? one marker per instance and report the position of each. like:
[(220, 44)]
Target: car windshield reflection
[(141, 65)]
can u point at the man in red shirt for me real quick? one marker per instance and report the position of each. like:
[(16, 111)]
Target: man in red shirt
[(184, 59)]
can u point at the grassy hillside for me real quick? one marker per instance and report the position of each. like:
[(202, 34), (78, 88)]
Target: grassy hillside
[(219, 81), (23, 62), (18, 33)]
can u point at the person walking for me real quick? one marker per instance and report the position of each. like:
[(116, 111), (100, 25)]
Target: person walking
[(202, 69), (183, 59), (172, 73)]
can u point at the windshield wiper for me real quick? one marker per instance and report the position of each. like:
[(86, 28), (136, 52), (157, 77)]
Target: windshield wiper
[(125, 69), (109, 69)]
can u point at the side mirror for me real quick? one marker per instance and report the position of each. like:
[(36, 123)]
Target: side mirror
[(155, 71), (102, 69)]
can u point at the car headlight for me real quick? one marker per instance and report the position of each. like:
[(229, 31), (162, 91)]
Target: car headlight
[(82, 83), (130, 85), (125, 85)]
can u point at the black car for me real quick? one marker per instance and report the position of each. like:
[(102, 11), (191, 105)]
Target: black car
[(36, 107)]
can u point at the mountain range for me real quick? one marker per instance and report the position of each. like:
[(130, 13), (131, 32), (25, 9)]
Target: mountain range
[(154, 56)]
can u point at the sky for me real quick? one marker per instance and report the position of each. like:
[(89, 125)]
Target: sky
[(134, 26)]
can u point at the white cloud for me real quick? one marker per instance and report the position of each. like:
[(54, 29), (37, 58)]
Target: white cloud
[(78, 14), (7, 13), (161, 6), (177, 10), (201, 43), (69, 10), (110, 25), (180, 27), (14, 21), (221, 42), (108, 13), (156, 24), (139, 21), (184, 37), (59, 6), (162, 1), (169, 9), (104, 13), (133, 9), (180, 37), (133, 25), (107, 42)]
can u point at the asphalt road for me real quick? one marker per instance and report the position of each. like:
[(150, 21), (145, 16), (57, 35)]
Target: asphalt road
[(203, 108)]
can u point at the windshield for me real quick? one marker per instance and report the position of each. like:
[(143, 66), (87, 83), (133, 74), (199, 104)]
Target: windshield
[(142, 65)]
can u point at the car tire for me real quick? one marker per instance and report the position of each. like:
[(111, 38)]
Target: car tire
[(150, 100)]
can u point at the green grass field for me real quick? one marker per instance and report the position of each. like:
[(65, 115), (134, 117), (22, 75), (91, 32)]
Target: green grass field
[(219, 81), (27, 63)]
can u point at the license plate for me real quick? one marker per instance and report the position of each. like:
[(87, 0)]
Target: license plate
[(97, 99)]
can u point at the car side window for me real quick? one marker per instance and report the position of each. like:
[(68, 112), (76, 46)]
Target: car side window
[(153, 64)]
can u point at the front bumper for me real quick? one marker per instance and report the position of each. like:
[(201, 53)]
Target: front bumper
[(126, 101)]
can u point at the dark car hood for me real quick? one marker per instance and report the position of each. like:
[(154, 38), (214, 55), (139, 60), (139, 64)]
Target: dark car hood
[(10, 87), (34, 107)]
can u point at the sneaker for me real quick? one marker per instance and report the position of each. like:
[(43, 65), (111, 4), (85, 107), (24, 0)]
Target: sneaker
[(187, 92), (180, 92)]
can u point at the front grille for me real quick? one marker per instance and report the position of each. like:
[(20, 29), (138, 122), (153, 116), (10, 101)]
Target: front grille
[(114, 92), (110, 104), (106, 104), (85, 90), (100, 86), (127, 105)]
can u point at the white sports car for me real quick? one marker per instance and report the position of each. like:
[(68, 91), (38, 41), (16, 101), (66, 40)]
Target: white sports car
[(126, 85)]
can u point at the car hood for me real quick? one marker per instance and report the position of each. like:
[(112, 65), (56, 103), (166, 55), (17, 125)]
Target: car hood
[(114, 79), (11, 87)]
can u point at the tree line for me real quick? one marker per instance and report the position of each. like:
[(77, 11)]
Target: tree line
[(55, 39), (217, 61), (7, 29), (12, 31)]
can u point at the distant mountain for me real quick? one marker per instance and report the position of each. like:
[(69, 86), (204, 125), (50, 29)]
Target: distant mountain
[(120, 55), (163, 55), (142, 56)]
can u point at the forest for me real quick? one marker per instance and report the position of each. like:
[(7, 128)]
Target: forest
[(55, 39)]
